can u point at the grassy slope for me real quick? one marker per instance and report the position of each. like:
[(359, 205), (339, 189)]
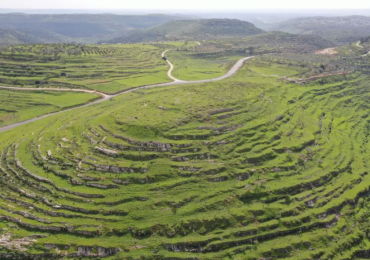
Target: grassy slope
[(190, 67), (17, 106), (108, 68), (250, 174)]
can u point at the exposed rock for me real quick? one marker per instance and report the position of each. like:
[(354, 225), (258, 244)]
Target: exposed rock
[(162, 108), (106, 151), (103, 186), (18, 244), (219, 111)]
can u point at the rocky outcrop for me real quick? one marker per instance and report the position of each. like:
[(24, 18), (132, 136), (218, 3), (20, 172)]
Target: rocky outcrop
[(116, 169), (106, 151), (219, 111), (103, 186), (84, 251), (205, 156)]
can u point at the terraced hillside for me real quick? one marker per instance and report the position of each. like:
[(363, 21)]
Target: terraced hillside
[(272, 42), (108, 68), (247, 168)]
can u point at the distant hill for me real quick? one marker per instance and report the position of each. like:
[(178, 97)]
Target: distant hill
[(9, 36), (82, 28), (190, 30), (340, 30)]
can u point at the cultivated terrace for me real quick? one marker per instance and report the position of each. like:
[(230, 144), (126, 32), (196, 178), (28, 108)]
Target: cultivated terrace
[(270, 163)]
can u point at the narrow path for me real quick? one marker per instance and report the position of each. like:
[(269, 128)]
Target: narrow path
[(106, 97), (358, 44), (169, 73)]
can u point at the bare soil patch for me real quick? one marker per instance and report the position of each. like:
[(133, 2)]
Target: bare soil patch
[(327, 51)]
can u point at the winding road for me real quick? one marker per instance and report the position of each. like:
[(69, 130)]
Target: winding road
[(106, 97), (358, 45)]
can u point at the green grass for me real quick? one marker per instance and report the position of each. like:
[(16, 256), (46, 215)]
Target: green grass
[(107, 68), (274, 70), (245, 168), (193, 66), (17, 106)]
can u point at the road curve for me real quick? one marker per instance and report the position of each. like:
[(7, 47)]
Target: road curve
[(169, 73), (106, 97), (358, 45)]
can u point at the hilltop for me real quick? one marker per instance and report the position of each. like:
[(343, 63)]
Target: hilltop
[(341, 30), (192, 29)]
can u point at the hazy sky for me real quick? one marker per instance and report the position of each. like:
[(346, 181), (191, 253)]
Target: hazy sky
[(185, 4)]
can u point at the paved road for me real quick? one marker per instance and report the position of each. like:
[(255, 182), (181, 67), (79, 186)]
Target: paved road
[(105, 97)]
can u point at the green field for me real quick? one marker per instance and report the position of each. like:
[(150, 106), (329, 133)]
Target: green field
[(18, 106), (197, 66)]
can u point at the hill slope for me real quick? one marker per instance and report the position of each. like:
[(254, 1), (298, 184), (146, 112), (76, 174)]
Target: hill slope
[(341, 30), (269, 42), (83, 28), (9, 36), (281, 41), (246, 168), (192, 29)]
